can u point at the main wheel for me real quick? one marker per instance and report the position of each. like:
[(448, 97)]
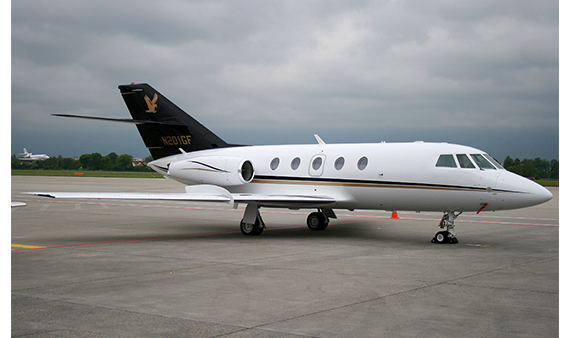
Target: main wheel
[(251, 229), (317, 221)]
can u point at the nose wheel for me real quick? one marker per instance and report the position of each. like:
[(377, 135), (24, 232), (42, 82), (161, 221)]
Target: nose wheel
[(448, 235)]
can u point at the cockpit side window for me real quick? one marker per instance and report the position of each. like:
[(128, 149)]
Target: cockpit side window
[(446, 161), (482, 162), (464, 161)]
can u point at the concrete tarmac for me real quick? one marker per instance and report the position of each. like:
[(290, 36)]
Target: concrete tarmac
[(91, 268)]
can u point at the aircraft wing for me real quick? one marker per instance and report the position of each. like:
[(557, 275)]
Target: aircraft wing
[(205, 193), (198, 193), (135, 196)]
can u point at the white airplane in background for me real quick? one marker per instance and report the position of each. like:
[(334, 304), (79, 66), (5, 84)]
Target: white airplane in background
[(31, 157), (416, 176)]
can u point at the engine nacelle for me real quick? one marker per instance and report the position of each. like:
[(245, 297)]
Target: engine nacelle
[(216, 170)]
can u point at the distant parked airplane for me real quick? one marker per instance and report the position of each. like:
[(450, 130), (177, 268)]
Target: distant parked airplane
[(413, 176), (25, 156)]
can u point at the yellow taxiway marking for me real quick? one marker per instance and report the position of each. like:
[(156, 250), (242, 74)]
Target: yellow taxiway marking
[(22, 246)]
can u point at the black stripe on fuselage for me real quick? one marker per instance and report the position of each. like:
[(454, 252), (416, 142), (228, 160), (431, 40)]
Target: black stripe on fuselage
[(365, 183), (209, 166)]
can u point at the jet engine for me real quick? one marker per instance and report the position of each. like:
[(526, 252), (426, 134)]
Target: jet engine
[(216, 170)]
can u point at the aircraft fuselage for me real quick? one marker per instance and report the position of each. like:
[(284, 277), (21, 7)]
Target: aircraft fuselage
[(384, 176)]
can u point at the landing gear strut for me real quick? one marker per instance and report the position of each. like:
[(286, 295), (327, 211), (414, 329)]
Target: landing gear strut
[(448, 235), (320, 220), (252, 224)]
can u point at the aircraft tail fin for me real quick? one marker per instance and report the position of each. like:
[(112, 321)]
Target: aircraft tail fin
[(164, 127)]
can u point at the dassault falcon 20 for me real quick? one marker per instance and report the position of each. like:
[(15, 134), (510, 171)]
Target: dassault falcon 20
[(415, 176)]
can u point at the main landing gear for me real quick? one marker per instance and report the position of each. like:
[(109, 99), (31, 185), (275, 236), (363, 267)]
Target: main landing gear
[(320, 220), (252, 224), (448, 235)]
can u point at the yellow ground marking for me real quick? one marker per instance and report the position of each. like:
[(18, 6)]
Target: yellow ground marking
[(23, 246)]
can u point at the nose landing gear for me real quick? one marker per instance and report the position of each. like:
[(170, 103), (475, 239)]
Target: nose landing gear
[(448, 235)]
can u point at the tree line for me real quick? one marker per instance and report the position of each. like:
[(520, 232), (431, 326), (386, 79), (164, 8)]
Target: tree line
[(94, 161), (537, 168)]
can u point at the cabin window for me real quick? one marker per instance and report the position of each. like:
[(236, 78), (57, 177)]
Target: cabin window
[(295, 163), (274, 163), (446, 161), (339, 163), (362, 163), (464, 161), (317, 163), (482, 162)]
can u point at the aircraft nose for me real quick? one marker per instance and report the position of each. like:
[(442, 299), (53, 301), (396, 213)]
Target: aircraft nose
[(520, 192), (540, 194)]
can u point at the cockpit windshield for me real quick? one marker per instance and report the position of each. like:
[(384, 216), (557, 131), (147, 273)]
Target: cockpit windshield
[(482, 161), (492, 160)]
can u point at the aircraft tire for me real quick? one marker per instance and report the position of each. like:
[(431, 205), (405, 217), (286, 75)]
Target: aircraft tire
[(251, 229), (440, 237), (316, 221)]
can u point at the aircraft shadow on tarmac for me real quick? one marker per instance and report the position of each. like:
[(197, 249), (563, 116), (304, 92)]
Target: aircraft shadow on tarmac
[(379, 231)]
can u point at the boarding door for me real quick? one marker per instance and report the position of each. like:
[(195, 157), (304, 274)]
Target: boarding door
[(317, 165)]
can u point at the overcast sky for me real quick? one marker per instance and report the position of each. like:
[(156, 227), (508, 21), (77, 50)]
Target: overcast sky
[(481, 73)]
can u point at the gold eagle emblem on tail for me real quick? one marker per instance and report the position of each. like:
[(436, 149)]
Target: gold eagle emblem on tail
[(151, 103)]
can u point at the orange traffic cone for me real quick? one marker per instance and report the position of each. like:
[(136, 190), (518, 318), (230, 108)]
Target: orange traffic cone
[(394, 215)]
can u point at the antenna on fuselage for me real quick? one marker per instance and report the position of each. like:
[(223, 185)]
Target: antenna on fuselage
[(320, 140)]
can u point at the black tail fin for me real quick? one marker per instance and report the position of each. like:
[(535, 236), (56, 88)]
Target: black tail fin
[(168, 128)]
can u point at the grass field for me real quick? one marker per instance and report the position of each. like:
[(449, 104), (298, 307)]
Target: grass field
[(134, 174), (548, 183)]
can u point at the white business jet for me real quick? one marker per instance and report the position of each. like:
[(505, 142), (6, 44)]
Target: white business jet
[(415, 176), (25, 156)]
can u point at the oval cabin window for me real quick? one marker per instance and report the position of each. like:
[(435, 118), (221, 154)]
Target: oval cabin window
[(317, 163), (362, 163), (274, 163), (295, 163), (339, 163)]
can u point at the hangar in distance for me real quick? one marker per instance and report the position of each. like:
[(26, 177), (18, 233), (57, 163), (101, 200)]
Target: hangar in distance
[(414, 176)]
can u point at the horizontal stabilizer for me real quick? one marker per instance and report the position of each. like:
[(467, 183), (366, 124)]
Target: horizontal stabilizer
[(130, 121)]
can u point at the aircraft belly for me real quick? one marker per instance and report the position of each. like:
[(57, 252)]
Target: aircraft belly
[(411, 199)]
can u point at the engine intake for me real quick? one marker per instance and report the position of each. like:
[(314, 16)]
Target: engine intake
[(217, 170)]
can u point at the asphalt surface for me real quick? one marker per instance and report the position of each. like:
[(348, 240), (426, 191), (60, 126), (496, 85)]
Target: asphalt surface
[(90, 268)]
